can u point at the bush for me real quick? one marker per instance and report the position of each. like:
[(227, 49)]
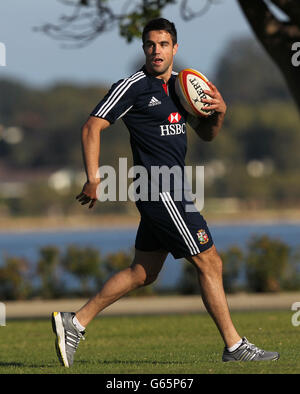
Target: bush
[(232, 267), (14, 280), (46, 269), (189, 283), (85, 265), (270, 266)]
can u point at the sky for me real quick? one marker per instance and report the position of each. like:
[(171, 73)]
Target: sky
[(38, 60)]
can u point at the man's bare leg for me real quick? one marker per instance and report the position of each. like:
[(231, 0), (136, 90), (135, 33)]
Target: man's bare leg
[(143, 271), (209, 267)]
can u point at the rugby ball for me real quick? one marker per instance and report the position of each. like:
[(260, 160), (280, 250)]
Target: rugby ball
[(189, 86)]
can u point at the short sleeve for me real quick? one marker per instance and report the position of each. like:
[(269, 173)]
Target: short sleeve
[(119, 100)]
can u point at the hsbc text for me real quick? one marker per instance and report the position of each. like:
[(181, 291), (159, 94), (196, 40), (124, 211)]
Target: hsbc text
[(173, 129)]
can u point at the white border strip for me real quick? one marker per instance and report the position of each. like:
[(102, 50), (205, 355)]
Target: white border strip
[(118, 93), (179, 223)]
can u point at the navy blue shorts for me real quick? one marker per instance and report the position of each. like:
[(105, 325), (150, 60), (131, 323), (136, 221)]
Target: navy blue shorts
[(167, 225)]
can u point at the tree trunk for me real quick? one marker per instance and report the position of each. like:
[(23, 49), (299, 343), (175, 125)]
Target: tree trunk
[(278, 37)]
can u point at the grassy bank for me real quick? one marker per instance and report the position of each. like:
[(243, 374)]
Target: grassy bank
[(181, 344)]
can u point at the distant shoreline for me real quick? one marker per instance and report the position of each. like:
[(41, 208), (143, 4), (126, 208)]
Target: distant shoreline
[(88, 222)]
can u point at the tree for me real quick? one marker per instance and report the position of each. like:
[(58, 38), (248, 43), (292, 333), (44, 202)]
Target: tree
[(189, 282), (244, 60), (85, 264), (90, 18), (232, 267), (47, 271), (277, 37), (14, 280), (267, 264)]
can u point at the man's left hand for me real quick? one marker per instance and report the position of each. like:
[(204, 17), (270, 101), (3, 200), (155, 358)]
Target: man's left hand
[(215, 99)]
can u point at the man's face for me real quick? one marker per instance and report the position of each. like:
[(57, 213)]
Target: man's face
[(159, 51)]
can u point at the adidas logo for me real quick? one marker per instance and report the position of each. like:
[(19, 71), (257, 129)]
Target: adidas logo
[(154, 102)]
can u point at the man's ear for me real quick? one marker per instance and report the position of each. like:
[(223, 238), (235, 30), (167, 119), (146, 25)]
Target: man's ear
[(175, 49)]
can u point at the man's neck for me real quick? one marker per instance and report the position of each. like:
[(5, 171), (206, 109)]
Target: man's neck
[(165, 76)]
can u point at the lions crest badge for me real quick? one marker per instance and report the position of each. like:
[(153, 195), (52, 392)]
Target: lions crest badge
[(202, 237)]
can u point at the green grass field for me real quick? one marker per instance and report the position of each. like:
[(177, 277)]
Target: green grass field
[(176, 344)]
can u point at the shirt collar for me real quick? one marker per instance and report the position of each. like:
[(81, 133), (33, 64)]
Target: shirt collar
[(161, 81)]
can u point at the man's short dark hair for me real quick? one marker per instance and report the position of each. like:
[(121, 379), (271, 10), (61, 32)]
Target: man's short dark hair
[(161, 24)]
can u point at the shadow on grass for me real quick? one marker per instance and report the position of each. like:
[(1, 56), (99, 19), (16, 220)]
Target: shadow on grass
[(131, 362), (14, 364), (11, 364)]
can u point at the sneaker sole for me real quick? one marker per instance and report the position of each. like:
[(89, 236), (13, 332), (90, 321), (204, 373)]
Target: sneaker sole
[(276, 358), (59, 331), (240, 361)]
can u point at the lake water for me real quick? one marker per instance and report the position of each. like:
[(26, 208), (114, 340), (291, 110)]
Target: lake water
[(27, 244)]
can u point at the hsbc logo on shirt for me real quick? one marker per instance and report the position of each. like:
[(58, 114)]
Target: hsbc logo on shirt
[(175, 128), (174, 117)]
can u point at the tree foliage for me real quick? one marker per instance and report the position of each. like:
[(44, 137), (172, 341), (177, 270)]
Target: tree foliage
[(47, 270), (76, 271), (266, 265), (14, 279), (85, 265), (269, 265), (90, 18)]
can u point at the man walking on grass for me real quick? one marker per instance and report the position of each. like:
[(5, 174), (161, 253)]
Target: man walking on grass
[(148, 105)]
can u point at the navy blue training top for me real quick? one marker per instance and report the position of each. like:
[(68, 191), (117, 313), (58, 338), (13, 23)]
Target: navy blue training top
[(154, 117)]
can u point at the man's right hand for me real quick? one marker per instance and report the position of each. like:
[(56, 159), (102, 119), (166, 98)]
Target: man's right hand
[(88, 194)]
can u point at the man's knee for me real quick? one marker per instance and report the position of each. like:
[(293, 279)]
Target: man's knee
[(146, 266), (151, 278), (208, 262), (141, 276)]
